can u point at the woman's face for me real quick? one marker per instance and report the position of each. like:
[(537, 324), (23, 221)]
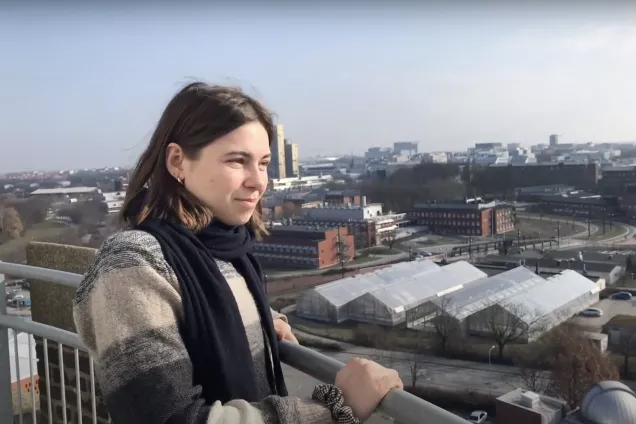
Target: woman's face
[(230, 174)]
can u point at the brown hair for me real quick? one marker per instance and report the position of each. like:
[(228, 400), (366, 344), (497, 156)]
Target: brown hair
[(195, 117)]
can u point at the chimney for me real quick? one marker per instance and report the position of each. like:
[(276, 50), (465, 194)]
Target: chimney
[(363, 201)]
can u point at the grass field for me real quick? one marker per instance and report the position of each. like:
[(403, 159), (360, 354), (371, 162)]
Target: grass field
[(14, 250), (380, 250), (432, 240), (615, 231), (545, 228)]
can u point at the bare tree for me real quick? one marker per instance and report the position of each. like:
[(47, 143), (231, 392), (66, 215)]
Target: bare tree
[(389, 240), (31, 210), (508, 323), (576, 364), (564, 363), (10, 224), (384, 342), (416, 360), (446, 325), (535, 379), (88, 213), (386, 357)]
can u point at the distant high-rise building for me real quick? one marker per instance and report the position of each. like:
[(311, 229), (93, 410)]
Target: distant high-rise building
[(277, 165), (554, 140), (408, 148), (291, 159)]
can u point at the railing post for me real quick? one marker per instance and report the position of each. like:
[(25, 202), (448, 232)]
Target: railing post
[(6, 401)]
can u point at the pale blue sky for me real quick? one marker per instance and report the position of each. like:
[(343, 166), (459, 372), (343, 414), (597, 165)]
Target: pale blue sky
[(84, 87)]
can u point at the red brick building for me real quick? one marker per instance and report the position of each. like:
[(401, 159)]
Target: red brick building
[(295, 246), (465, 218)]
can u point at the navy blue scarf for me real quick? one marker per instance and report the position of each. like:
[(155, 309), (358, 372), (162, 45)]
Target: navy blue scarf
[(212, 328)]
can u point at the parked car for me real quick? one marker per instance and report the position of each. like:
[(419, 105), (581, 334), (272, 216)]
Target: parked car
[(621, 296), (591, 312), (10, 283), (12, 296), (20, 303), (478, 417)]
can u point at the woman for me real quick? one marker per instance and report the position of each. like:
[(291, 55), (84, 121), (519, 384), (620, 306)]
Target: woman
[(174, 310)]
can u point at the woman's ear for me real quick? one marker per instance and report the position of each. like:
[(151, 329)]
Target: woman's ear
[(174, 160)]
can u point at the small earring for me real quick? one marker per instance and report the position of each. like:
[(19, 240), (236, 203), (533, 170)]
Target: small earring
[(179, 180)]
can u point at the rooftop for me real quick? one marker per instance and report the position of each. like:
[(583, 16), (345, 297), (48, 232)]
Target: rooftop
[(578, 196), (64, 190), (413, 291), (482, 293), (299, 228), (547, 407), (341, 292), (556, 292), (475, 204)]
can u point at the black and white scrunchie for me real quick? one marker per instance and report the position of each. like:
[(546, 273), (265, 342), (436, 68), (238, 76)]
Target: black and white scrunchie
[(332, 396)]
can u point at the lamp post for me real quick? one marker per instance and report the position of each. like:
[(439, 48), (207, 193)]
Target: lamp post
[(489, 368)]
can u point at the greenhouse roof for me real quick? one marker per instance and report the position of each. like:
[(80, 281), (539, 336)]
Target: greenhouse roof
[(341, 292), (485, 292), (416, 290), (558, 291)]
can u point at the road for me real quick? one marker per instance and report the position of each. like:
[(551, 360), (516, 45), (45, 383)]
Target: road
[(441, 373), (378, 260)]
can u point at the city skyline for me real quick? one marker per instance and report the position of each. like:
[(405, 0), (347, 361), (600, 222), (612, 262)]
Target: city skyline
[(438, 75)]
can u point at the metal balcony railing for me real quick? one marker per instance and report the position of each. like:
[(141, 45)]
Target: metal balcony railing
[(401, 405)]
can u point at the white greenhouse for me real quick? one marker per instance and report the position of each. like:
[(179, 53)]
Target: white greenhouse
[(390, 305), (475, 297), (329, 302), (540, 307)]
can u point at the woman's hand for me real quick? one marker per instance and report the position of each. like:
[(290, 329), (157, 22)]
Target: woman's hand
[(364, 384), (284, 331)]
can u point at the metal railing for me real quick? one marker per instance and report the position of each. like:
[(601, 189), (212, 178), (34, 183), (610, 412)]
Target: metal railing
[(404, 407)]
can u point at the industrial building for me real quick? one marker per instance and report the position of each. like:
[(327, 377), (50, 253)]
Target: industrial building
[(578, 204), (581, 175), (65, 193)]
